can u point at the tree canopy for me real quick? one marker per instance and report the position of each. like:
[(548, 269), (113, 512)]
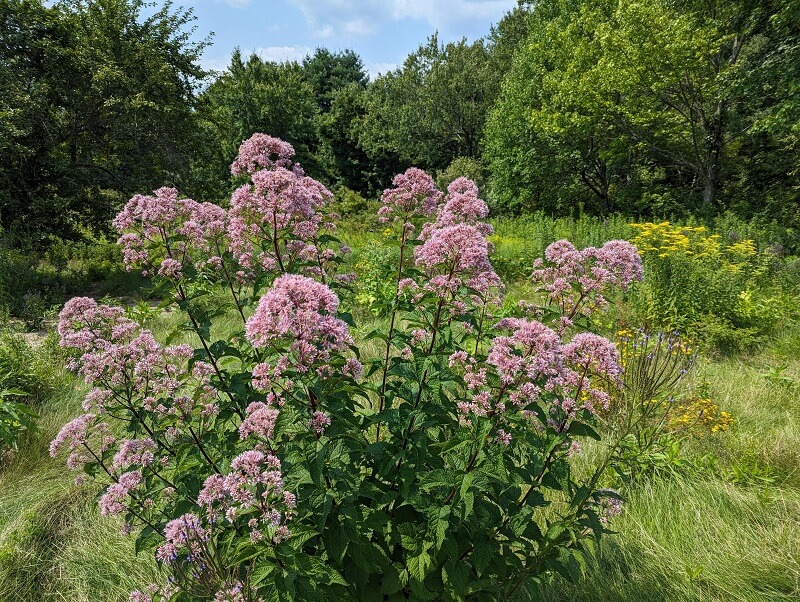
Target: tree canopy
[(98, 104), (642, 106), (654, 108)]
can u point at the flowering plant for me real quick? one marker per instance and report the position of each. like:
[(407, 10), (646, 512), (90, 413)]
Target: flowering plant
[(284, 458), (721, 291)]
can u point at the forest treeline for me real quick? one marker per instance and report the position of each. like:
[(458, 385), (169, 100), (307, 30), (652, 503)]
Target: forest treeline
[(649, 108)]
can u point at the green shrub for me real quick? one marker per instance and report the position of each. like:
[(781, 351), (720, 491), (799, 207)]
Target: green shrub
[(376, 286), (462, 167), (34, 285), (723, 291), (23, 367)]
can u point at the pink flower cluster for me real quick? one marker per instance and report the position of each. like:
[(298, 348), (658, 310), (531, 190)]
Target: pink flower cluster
[(273, 224), (577, 281), (115, 500), (319, 422), (82, 437), (163, 233), (183, 535), (609, 507), (414, 195), (275, 221), (301, 310), (135, 452), (135, 380), (252, 490), (455, 250), (259, 421), (532, 361), (461, 206), (261, 151), (124, 359), (460, 248)]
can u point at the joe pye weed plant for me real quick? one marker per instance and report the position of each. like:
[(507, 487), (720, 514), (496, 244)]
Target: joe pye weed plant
[(279, 463)]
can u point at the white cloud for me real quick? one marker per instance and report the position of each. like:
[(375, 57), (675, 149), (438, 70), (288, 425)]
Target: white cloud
[(376, 69), (215, 63), (361, 17), (280, 54), (236, 3), (336, 17), (275, 54)]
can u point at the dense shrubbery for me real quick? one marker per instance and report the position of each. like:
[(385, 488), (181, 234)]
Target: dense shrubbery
[(724, 291), (278, 461), (28, 375), (34, 285)]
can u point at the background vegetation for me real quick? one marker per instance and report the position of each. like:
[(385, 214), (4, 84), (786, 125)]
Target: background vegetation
[(648, 109)]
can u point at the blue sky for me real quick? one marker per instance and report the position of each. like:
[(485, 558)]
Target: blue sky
[(383, 33)]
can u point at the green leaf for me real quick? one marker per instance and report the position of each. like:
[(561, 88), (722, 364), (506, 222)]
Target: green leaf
[(583, 430), (467, 495), (419, 565)]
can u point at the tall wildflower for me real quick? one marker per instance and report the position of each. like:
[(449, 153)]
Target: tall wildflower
[(414, 195), (261, 151), (577, 281), (164, 234), (268, 461), (302, 310), (275, 220)]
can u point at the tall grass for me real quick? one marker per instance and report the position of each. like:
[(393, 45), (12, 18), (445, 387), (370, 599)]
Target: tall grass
[(54, 545), (731, 534)]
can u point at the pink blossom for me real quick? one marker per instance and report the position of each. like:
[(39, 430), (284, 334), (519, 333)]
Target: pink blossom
[(171, 268), (353, 368), (414, 194), (533, 349), (262, 151), (319, 422), (503, 437), (259, 420), (254, 482), (276, 220), (184, 534), (462, 247), (457, 358), (114, 499), (587, 350), (135, 452), (578, 280), (75, 437), (299, 308), (148, 226)]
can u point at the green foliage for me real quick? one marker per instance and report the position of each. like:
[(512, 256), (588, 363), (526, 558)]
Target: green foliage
[(376, 268), (34, 284), (433, 108), (654, 108), (15, 418), (725, 293), (328, 72), (28, 375), (26, 368), (254, 95), (97, 103), (350, 205), (466, 167)]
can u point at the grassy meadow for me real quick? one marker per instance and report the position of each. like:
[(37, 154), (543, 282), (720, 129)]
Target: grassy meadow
[(714, 516)]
